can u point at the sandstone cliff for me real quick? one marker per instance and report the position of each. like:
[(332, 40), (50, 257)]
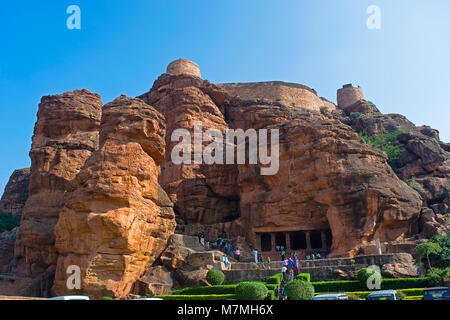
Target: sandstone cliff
[(16, 193), (116, 218)]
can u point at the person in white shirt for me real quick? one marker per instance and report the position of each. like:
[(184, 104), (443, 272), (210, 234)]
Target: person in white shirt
[(283, 270), (255, 252)]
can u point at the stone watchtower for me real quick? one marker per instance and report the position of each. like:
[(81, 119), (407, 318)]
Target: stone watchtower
[(348, 95), (182, 66)]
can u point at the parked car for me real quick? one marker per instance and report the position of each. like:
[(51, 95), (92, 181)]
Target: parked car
[(70, 298), (437, 293), (331, 296), (383, 295)]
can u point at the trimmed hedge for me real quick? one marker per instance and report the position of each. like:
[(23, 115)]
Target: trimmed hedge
[(275, 279), (251, 291), (364, 274), (223, 289), (299, 290), (354, 285), (198, 297), (303, 277), (336, 286), (215, 277), (405, 283)]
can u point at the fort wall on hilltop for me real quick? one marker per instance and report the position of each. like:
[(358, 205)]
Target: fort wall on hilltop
[(291, 94)]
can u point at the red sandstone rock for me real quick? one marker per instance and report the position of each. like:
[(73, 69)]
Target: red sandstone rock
[(116, 218), (65, 135), (16, 193)]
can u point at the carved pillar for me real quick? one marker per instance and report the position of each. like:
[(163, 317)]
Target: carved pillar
[(258, 241), (288, 241), (274, 241), (308, 240), (324, 239)]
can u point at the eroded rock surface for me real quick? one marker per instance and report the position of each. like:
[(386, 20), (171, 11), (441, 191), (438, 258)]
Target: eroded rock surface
[(116, 217)]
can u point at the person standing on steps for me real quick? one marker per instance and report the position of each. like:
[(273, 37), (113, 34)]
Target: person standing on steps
[(283, 254), (255, 253), (219, 243), (238, 254), (283, 270), (268, 262)]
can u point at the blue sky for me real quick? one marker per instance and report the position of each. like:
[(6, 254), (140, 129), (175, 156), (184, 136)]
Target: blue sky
[(123, 46)]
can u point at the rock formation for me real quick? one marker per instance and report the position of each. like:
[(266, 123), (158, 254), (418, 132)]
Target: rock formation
[(16, 193), (104, 191), (116, 218), (65, 135)]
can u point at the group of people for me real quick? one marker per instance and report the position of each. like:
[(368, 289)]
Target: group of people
[(221, 245), (291, 267)]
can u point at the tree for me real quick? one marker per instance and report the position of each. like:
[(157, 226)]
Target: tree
[(425, 249)]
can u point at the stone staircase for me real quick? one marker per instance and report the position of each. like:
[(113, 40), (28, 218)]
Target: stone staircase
[(320, 270)]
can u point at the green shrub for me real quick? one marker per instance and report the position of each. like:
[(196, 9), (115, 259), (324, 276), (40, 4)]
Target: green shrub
[(271, 286), (436, 276), (336, 286), (412, 183), (107, 298), (393, 152), (444, 242), (323, 109), (355, 115), (386, 142), (364, 274), (299, 290), (251, 291), (275, 279), (303, 277), (198, 297), (425, 250), (270, 295), (215, 277), (7, 222)]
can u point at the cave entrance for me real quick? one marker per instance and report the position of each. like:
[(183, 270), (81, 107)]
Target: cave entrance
[(266, 242), (280, 239), (316, 240), (298, 240)]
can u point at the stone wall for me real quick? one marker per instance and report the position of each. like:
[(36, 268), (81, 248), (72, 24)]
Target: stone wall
[(183, 66), (290, 94), (325, 269), (349, 95)]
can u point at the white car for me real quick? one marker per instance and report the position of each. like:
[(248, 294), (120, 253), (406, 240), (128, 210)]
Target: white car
[(331, 296), (70, 298)]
